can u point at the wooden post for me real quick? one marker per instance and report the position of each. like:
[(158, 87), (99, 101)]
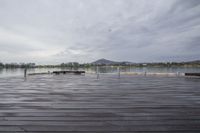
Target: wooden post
[(25, 72), (97, 72), (118, 68), (178, 74)]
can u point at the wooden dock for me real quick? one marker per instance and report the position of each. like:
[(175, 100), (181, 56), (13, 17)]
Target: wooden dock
[(192, 74), (44, 73), (68, 72), (75, 104), (58, 72)]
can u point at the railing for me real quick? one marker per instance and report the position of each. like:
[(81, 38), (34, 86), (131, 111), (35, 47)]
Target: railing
[(145, 73), (118, 73)]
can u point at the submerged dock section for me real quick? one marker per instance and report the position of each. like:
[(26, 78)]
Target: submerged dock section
[(68, 72), (192, 74), (58, 72), (77, 72)]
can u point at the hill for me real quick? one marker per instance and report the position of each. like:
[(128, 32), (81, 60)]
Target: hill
[(104, 62)]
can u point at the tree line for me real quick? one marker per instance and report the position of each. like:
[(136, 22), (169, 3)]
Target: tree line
[(87, 65), (17, 65), (33, 65)]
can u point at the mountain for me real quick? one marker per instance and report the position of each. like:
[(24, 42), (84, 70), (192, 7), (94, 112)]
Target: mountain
[(195, 61), (104, 62), (109, 62)]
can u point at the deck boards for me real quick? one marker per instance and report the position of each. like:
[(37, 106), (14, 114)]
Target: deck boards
[(83, 104)]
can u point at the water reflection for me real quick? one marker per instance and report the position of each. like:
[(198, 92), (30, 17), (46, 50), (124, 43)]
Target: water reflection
[(1, 71)]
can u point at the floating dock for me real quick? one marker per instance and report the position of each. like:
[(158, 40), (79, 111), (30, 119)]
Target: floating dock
[(122, 73), (68, 72), (192, 74), (39, 73), (59, 72)]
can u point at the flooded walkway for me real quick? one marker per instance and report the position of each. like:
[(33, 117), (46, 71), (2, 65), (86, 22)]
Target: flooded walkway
[(71, 103)]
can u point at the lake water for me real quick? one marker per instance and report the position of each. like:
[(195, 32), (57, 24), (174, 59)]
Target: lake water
[(77, 103), (74, 103), (107, 69)]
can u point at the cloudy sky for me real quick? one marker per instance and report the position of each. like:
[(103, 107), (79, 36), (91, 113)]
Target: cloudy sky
[(55, 31)]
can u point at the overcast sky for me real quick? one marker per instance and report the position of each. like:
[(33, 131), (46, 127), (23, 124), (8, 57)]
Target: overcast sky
[(55, 31)]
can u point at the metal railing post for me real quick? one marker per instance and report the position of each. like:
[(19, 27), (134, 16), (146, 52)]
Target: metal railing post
[(145, 73), (97, 72), (118, 68), (25, 72)]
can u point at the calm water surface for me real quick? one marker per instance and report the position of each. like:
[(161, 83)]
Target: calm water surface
[(77, 103), (72, 103)]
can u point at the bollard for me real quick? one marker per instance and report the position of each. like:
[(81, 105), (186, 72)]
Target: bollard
[(118, 69), (145, 73)]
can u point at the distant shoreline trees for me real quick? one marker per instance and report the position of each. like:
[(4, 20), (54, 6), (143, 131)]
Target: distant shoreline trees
[(17, 65), (88, 65)]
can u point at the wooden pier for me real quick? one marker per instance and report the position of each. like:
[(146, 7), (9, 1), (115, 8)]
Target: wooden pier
[(192, 74), (58, 72), (119, 73), (44, 73), (68, 72)]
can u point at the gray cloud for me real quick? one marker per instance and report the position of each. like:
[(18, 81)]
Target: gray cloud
[(48, 31)]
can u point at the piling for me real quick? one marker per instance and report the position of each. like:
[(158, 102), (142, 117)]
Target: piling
[(145, 73), (97, 71), (118, 69), (178, 74), (25, 72)]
